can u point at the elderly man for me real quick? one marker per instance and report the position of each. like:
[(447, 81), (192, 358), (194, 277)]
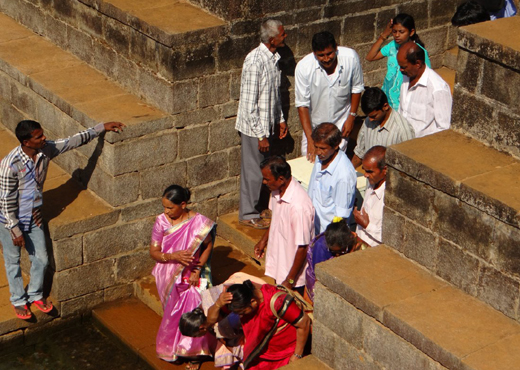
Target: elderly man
[(259, 110), (425, 99), (329, 83), (22, 174), (370, 218), (383, 125), (292, 226), (332, 187)]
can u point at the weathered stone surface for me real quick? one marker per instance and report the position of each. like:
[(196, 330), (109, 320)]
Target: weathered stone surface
[(434, 40), (134, 266), (117, 35), (234, 161), (184, 97), (208, 208), (232, 52), (305, 33), (420, 245), (499, 291), (213, 190), (214, 90), (393, 229), (159, 92), (81, 304), (235, 85), (155, 180), (207, 168), (459, 268), (222, 135), (495, 75), (323, 349), (361, 29), (142, 48), (469, 68), (38, 333), (195, 117), (124, 291), (67, 253), (141, 209), (506, 240), (123, 238), (228, 203), (90, 21), (193, 141), (419, 11), (477, 122), (12, 340), (507, 134), (84, 279)]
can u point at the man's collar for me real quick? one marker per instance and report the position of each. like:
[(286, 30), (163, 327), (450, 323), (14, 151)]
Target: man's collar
[(380, 191), (25, 158), (332, 166), (275, 56), (423, 80), (288, 195)]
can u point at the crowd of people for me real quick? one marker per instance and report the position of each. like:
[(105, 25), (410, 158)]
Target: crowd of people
[(246, 321)]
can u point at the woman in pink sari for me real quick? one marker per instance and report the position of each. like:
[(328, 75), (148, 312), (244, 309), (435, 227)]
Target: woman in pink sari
[(182, 242)]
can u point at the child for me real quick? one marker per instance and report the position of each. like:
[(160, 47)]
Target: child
[(402, 27)]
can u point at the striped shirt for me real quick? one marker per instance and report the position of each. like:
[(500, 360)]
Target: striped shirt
[(396, 130), (21, 180), (260, 106)]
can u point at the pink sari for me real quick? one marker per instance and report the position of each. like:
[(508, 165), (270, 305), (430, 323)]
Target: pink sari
[(177, 295)]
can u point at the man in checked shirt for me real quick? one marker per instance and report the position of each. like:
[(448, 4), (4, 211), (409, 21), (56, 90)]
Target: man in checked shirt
[(22, 174), (259, 111)]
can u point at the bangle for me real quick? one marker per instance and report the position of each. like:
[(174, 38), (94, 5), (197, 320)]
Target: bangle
[(163, 257), (196, 268), (353, 114), (218, 306), (299, 356)]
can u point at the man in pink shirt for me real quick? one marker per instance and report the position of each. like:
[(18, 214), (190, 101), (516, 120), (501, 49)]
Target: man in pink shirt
[(292, 225)]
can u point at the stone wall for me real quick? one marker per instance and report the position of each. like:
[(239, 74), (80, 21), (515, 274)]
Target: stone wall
[(488, 74)]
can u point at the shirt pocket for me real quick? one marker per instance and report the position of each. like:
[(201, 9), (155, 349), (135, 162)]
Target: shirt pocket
[(419, 112), (325, 197)]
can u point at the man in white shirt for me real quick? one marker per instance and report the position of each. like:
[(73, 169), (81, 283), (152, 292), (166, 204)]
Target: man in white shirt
[(259, 110), (425, 99), (370, 219), (329, 83)]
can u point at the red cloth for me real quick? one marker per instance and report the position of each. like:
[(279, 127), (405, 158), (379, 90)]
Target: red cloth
[(281, 347)]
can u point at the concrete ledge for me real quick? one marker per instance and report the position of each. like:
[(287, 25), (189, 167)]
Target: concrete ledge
[(384, 293)]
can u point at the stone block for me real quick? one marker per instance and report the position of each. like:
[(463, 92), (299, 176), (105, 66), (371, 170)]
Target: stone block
[(82, 45), (340, 9), (463, 225), (419, 10), (232, 51), (228, 203), (214, 90), (21, 98), (12, 340), (143, 49), (161, 94), (506, 256), (56, 30), (420, 245), (469, 69), (235, 85), (134, 266), (323, 349), (434, 39), (245, 27), (124, 291), (496, 74), (507, 134), (213, 190), (117, 190), (367, 66), (67, 10), (412, 198), (199, 59), (234, 161), (359, 29), (196, 117), (67, 253), (441, 12), (112, 241), (117, 35), (228, 110), (207, 168), (84, 279), (222, 135), (184, 97), (81, 304), (478, 121), (90, 21), (327, 309), (155, 180), (499, 291), (38, 334), (141, 209), (31, 17), (193, 141), (459, 268), (393, 229), (207, 208), (10, 115), (305, 33)]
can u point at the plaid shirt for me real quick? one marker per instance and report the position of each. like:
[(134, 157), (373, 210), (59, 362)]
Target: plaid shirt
[(260, 106), (21, 180)]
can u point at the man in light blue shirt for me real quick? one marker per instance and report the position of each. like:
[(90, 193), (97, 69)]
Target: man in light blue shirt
[(332, 187)]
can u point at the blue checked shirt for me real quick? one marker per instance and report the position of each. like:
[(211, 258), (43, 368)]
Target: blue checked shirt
[(260, 106), (21, 180)]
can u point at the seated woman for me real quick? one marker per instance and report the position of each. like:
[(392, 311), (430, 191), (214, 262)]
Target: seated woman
[(275, 328), (182, 242), (336, 241)]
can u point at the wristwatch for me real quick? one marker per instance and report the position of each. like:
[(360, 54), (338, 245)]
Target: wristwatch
[(291, 281), (261, 138), (353, 114)]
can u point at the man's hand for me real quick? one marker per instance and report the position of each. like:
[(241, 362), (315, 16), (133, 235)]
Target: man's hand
[(361, 217), (283, 130), (311, 155), (286, 284), (260, 249), (114, 126), (263, 145), (19, 242), (348, 126)]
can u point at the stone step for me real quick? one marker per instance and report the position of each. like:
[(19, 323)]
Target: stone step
[(244, 237), (40, 81), (397, 315), (307, 363), (145, 46), (447, 75), (450, 58), (452, 204)]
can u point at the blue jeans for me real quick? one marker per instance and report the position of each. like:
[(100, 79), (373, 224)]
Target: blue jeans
[(35, 246)]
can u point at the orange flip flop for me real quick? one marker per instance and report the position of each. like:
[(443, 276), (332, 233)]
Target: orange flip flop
[(41, 306), (22, 316)]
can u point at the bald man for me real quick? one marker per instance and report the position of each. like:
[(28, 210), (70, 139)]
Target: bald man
[(425, 99), (370, 219)]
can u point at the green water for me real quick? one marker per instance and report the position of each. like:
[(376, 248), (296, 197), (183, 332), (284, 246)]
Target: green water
[(77, 347)]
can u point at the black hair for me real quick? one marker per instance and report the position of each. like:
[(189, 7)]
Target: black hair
[(408, 22), (415, 53), (322, 40), (242, 295), (470, 12), (338, 233), (328, 133), (278, 166), (378, 153), (177, 194), (190, 322), (25, 128), (373, 99)]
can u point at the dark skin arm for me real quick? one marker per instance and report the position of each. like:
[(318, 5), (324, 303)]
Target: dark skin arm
[(361, 217), (299, 261), (214, 312), (302, 333), (375, 53), (262, 244), (356, 161), (349, 123), (305, 120), (208, 246)]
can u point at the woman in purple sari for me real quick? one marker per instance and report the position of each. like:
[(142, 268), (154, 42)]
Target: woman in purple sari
[(182, 242)]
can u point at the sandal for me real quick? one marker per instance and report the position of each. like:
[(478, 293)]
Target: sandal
[(25, 315), (256, 223), (193, 365), (266, 214), (43, 305)]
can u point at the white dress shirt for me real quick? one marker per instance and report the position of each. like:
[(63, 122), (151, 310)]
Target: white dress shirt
[(427, 104), (373, 206)]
